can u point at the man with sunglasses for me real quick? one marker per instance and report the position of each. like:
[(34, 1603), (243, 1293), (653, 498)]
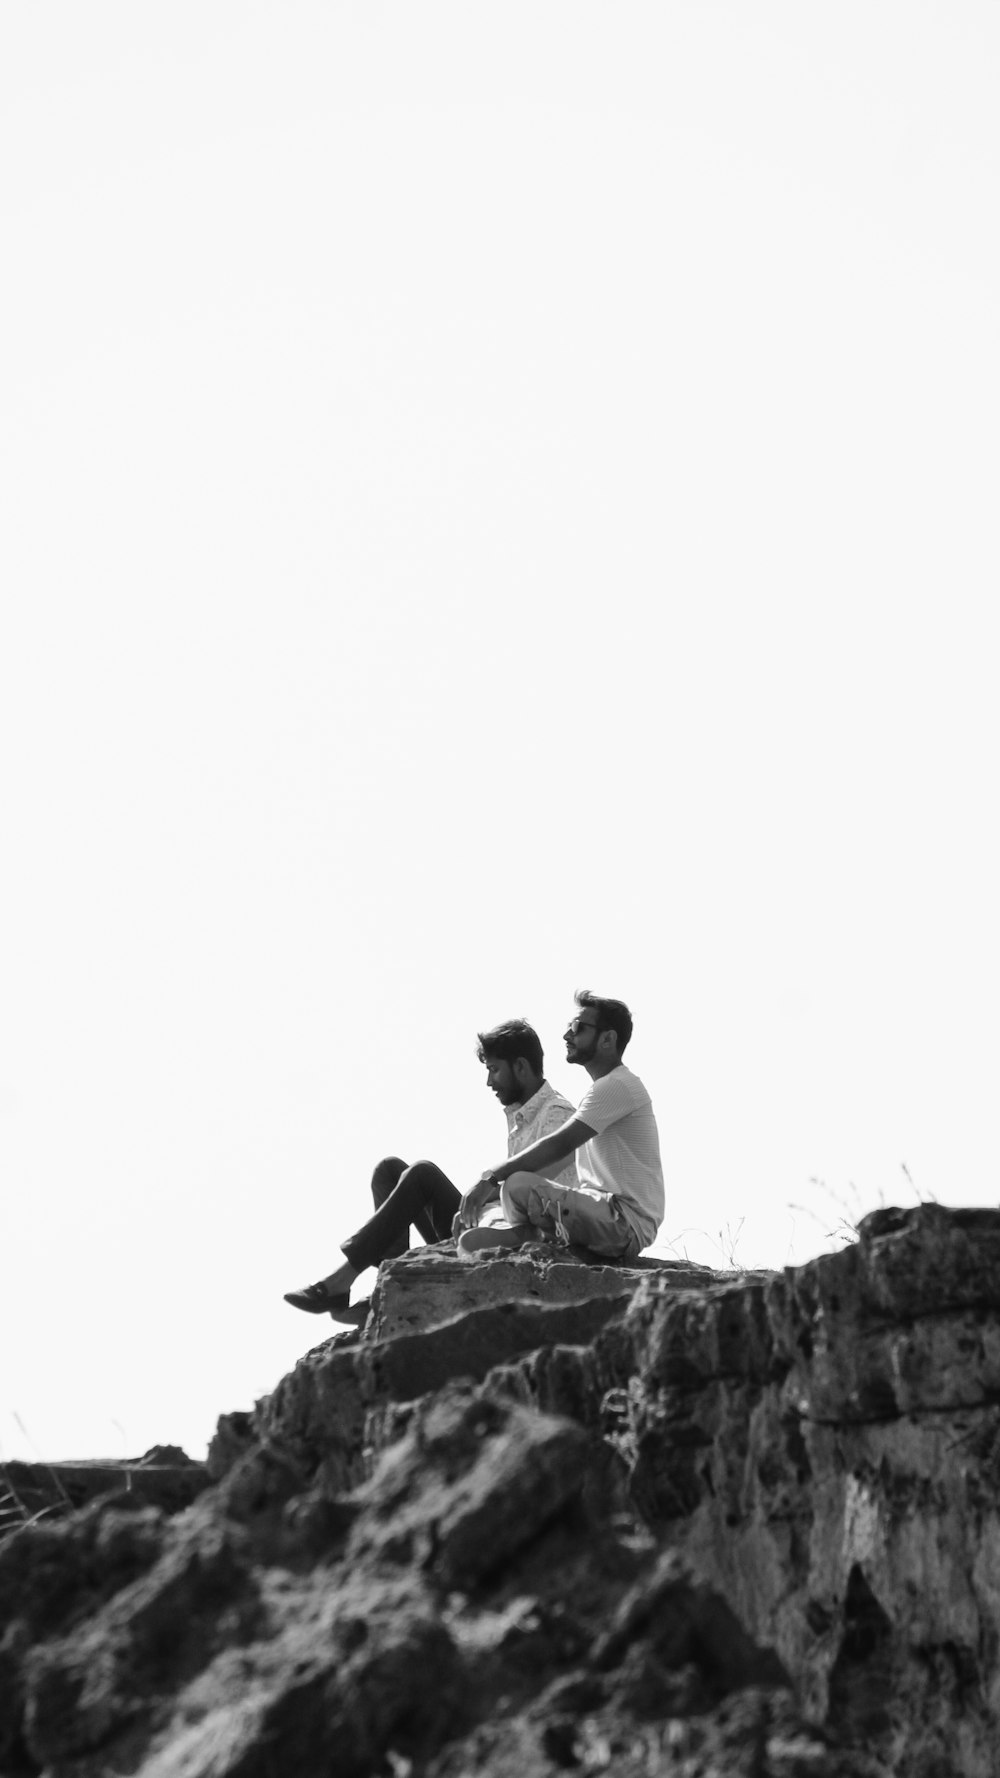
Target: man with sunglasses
[(616, 1204)]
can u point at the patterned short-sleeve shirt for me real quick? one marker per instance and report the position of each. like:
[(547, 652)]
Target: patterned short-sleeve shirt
[(541, 1115)]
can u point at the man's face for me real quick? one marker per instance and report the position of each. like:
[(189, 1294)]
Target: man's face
[(501, 1080), (580, 1035)]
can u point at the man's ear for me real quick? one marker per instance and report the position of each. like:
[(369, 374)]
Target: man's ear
[(521, 1069)]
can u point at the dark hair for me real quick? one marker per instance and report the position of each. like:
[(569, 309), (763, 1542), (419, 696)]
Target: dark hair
[(612, 1015), (515, 1037)]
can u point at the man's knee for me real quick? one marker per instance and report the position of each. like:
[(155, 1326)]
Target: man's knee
[(525, 1197), (424, 1185), (514, 1196), (424, 1172), (386, 1177)]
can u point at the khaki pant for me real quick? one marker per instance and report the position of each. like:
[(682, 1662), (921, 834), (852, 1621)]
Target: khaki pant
[(580, 1215)]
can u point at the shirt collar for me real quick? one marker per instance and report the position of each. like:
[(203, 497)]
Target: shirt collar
[(520, 1114)]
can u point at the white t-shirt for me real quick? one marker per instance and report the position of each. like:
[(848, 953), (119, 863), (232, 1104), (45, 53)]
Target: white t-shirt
[(623, 1159)]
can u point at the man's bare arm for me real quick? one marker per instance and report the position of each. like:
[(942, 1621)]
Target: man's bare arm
[(544, 1156)]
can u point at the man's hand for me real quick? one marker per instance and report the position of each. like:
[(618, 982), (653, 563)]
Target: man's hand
[(474, 1203)]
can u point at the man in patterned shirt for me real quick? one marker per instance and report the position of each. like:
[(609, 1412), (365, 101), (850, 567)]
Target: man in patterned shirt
[(426, 1197), (614, 1206)]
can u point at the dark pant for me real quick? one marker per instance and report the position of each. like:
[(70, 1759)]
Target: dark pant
[(421, 1195)]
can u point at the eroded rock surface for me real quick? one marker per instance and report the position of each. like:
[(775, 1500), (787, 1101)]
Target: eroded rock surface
[(165, 1477), (637, 1522), (431, 1284)]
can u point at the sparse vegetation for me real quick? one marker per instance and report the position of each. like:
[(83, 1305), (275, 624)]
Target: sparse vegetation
[(849, 1208)]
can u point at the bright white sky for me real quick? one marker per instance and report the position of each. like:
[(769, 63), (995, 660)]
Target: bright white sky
[(495, 498)]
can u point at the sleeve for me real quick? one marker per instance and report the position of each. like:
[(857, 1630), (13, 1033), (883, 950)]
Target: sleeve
[(556, 1113), (607, 1101)]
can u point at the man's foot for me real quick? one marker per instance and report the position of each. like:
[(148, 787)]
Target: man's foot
[(316, 1299), (495, 1238), (354, 1315)]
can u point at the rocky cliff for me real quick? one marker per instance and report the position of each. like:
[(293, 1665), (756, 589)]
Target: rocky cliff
[(540, 1517)]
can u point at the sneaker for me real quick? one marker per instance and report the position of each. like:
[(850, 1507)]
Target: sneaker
[(315, 1299), (495, 1239)]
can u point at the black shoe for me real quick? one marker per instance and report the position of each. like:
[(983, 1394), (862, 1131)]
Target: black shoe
[(317, 1300), (352, 1314)]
